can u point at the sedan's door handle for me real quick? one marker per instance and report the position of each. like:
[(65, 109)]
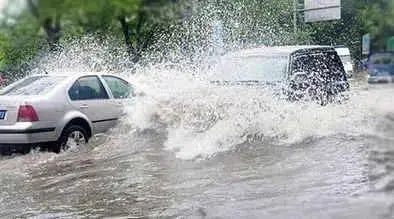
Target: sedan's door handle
[(84, 106)]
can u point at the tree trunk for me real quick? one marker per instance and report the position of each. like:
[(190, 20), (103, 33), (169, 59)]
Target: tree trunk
[(126, 34), (52, 27), (53, 33), (142, 40)]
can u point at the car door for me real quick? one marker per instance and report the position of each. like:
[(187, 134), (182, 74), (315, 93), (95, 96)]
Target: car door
[(121, 90), (89, 96)]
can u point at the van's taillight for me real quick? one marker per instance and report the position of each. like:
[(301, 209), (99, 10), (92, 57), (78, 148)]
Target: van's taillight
[(27, 114)]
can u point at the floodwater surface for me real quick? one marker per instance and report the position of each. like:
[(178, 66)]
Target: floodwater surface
[(219, 153)]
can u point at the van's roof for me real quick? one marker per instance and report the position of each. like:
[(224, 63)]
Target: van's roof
[(273, 51)]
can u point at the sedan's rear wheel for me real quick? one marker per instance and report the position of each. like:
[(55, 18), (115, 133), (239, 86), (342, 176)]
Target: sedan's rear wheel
[(72, 136)]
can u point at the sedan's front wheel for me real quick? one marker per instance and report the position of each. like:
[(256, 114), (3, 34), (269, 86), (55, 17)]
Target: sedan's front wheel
[(72, 136)]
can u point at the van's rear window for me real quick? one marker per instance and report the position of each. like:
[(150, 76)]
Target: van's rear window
[(327, 64), (34, 85)]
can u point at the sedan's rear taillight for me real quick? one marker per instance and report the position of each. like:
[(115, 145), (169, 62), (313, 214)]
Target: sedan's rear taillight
[(27, 114)]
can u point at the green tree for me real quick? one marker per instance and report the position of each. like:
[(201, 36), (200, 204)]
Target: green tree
[(135, 20), (19, 44), (347, 31), (378, 20)]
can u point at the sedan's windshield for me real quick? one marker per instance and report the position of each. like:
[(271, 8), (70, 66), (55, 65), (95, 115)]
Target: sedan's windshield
[(382, 59), (34, 85), (254, 68)]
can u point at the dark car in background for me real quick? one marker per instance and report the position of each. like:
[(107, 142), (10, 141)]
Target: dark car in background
[(380, 67)]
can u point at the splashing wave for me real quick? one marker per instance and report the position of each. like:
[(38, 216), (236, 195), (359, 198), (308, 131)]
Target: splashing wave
[(201, 120)]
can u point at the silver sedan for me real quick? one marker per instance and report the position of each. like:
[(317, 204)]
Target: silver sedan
[(60, 109)]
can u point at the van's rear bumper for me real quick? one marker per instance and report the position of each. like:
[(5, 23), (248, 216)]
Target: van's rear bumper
[(26, 134)]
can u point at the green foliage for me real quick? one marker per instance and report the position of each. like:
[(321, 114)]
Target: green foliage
[(379, 22), (57, 20), (140, 23), (347, 31), (19, 43)]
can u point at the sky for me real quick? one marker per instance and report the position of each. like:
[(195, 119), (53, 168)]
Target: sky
[(14, 7), (2, 4)]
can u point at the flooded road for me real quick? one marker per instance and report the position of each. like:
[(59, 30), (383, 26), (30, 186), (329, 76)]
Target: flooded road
[(248, 160)]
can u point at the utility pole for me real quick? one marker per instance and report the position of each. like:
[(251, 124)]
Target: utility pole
[(295, 5)]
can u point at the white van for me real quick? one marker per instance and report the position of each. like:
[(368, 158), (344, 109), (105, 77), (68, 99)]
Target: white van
[(344, 54), (300, 72)]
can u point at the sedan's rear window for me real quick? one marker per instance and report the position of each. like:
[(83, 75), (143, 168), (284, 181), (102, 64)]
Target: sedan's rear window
[(34, 85)]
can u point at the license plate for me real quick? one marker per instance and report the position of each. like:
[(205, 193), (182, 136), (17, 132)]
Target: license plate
[(2, 114)]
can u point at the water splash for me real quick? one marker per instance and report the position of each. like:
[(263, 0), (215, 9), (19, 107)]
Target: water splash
[(200, 119)]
